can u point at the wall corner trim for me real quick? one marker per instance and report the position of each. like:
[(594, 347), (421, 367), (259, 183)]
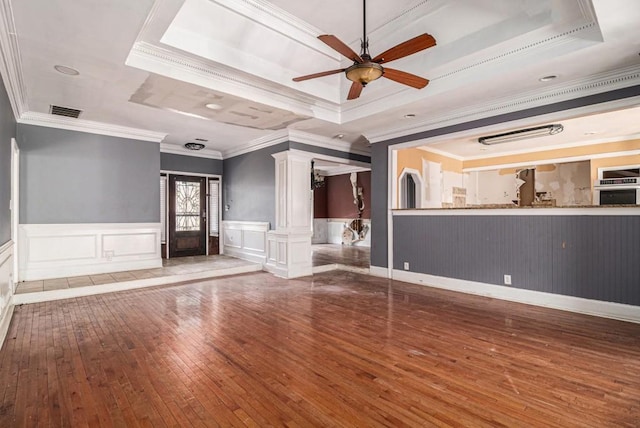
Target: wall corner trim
[(580, 305)]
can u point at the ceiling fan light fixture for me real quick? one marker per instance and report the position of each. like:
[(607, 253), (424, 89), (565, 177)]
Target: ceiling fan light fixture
[(365, 72)]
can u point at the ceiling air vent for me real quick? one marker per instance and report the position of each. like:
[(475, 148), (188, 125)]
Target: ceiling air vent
[(65, 111)]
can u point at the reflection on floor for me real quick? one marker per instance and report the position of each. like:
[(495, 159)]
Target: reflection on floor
[(328, 254), (336, 349), (182, 268)]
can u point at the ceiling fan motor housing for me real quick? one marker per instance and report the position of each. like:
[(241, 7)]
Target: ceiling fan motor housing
[(364, 72)]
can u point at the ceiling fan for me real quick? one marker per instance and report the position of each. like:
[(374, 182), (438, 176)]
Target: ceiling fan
[(366, 69)]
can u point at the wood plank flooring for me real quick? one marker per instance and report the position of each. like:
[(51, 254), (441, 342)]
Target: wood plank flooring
[(336, 349)]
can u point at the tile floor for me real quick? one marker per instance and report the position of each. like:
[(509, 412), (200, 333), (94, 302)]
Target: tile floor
[(178, 266), (323, 254)]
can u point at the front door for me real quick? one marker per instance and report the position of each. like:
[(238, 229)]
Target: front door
[(187, 216)]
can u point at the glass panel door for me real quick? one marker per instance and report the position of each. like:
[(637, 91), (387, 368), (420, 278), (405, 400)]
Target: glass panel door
[(187, 216)]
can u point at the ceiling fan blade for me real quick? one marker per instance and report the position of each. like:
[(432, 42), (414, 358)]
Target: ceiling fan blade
[(321, 74), (407, 48), (354, 92), (337, 45), (405, 78)]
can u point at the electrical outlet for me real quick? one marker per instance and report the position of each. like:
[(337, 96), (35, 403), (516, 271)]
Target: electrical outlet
[(108, 255), (406, 265), (507, 280)]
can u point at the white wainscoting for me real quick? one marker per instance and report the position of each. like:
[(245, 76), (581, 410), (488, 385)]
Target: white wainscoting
[(245, 240), (320, 231), (61, 250), (6, 288), (335, 227), (598, 308)]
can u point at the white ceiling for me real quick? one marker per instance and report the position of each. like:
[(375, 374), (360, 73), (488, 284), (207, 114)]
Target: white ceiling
[(148, 67)]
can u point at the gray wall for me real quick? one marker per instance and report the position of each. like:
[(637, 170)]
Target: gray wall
[(7, 132), (600, 255), (379, 184), (594, 257), (197, 165), (249, 186), (76, 177), (329, 152), (379, 157)]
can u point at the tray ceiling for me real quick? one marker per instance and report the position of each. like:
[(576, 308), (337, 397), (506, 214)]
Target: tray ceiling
[(153, 65)]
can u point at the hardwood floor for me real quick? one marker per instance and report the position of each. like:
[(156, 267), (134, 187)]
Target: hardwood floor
[(327, 254), (336, 349)]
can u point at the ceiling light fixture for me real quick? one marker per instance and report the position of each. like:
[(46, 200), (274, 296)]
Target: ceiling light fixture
[(213, 106), (548, 78), (194, 146), (521, 134), (338, 136), (317, 180), (409, 116), (66, 70), (365, 72)]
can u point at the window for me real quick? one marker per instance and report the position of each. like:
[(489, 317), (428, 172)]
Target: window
[(214, 207), (187, 206), (410, 189), (410, 192)]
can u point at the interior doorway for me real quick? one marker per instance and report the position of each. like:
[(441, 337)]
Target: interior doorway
[(187, 216)]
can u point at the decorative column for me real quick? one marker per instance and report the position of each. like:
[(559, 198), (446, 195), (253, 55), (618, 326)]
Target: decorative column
[(289, 245)]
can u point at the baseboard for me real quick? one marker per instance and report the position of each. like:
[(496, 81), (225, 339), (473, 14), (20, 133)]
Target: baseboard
[(325, 268), (243, 255), (5, 322), (69, 293), (379, 271), (580, 305), (62, 250)]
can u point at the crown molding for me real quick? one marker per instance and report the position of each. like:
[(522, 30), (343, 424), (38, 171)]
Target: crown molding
[(11, 64), (441, 153), (325, 142), (175, 149), (595, 84), (81, 125), (259, 143)]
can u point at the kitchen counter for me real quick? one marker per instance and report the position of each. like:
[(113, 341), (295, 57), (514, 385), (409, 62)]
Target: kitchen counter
[(511, 206), (510, 210)]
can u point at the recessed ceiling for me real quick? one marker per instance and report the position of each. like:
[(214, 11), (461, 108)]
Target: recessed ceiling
[(153, 65)]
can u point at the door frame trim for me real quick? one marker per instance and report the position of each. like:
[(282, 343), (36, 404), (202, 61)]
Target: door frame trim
[(169, 173)]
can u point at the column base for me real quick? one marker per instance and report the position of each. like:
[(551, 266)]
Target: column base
[(289, 254)]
